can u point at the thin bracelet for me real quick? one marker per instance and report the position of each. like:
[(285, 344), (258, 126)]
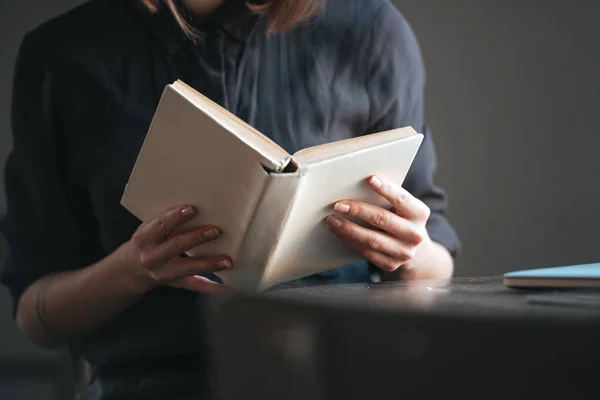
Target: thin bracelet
[(41, 310)]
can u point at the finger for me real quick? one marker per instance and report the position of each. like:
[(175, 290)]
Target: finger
[(381, 218), (179, 244), (382, 261), (405, 203), (159, 229), (190, 266), (201, 284), (369, 238)]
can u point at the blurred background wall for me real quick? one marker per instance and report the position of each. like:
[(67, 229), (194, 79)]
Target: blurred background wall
[(513, 98)]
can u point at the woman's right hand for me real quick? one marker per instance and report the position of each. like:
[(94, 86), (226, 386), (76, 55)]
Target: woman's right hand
[(154, 251)]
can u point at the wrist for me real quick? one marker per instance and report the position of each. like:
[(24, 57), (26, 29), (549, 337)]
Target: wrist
[(431, 261)]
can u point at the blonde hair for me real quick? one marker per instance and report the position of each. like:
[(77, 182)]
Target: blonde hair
[(281, 15)]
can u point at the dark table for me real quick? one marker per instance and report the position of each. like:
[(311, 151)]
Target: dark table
[(482, 295), (467, 338)]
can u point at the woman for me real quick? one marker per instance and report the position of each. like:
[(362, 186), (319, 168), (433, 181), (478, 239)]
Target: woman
[(84, 272)]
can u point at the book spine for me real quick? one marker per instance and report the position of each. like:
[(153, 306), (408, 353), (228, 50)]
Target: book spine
[(265, 227)]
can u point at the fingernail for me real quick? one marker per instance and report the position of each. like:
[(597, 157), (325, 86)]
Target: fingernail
[(341, 207), (376, 182), (212, 233), (224, 264), (334, 221), (186, 212)]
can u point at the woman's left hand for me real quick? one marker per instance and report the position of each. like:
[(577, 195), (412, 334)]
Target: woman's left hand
[(397, 233)]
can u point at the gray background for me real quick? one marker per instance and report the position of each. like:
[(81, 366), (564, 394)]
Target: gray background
[(513, 100)]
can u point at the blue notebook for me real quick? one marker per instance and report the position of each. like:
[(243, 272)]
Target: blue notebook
[(573, 276)]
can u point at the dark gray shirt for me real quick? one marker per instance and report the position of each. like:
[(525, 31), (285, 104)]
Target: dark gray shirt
[(86, 87)]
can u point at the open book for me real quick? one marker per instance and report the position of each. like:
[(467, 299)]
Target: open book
[(271, 206)]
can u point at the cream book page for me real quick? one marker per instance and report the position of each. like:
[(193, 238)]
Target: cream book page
[(271, 154), (306, 245)]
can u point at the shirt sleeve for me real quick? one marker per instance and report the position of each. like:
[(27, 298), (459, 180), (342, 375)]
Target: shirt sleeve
[(396, 84), (41, 226)]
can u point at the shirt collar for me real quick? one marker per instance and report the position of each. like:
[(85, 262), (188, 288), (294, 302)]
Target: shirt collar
[(233, 17), (236, 19)]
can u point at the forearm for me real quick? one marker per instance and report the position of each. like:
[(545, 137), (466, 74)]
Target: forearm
[(431, 261), (62, 307)]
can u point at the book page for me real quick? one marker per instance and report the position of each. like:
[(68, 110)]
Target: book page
[(274, 157), (306, 245), (331, 150)]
